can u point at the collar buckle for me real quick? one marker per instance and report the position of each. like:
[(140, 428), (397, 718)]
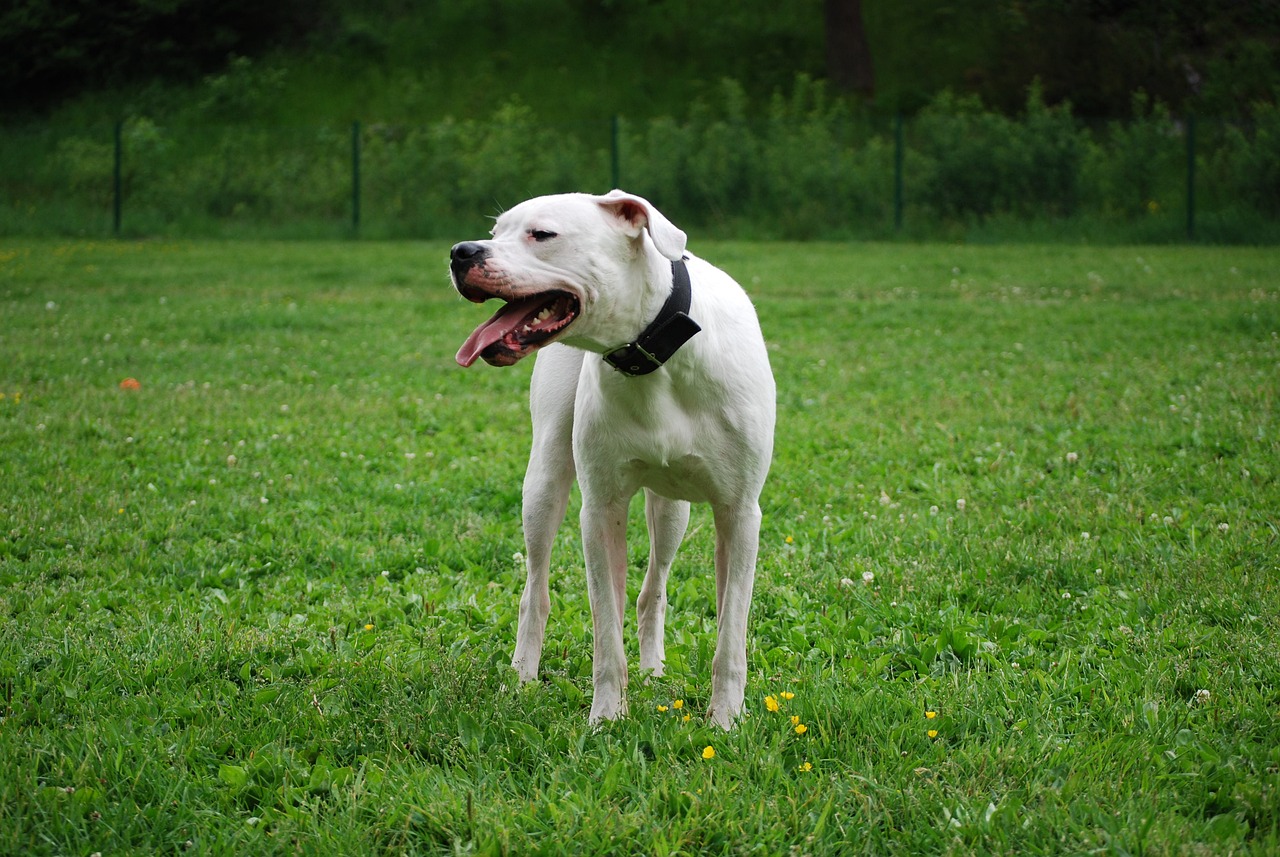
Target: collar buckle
[(632, 359)]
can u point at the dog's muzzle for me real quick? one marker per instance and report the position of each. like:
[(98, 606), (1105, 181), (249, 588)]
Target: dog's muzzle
[(526, 321), (462, 258)]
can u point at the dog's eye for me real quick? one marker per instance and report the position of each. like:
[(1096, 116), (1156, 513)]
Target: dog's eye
[(541, 234)]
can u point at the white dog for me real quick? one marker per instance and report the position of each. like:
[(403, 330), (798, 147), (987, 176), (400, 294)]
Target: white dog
[(659, 379)]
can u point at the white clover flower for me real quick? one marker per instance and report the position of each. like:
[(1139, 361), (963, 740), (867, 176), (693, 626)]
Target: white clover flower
[(960, 504), (868, 577), (1072, 458)]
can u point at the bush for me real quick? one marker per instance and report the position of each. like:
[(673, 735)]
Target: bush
[(1131, 171), (813, 177), (805, 165), (1249, 165), (430, 180), (797, 173), (979, 163)]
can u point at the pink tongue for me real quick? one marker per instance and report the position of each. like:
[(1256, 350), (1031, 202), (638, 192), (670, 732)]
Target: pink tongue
[(503, 322)]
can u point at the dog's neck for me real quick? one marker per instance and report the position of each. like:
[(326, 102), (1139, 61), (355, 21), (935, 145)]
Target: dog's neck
[(670, 328), (621, 313)]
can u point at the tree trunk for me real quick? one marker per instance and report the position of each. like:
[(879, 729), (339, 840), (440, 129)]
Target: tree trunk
[(849, 65)]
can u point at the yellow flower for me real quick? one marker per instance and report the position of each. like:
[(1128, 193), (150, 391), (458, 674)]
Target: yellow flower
[(708, 752), (930, 714), (790, 540), (801, 729), (806, 767), (795, 719), (787, 695), (771, 703), (678, 704), (368, 627), (662, 708), (685, 719), (933, 733)]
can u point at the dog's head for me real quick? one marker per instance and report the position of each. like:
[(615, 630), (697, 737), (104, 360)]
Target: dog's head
[(570, 266)]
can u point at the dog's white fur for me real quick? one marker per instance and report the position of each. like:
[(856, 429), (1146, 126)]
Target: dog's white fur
[(700, 429)]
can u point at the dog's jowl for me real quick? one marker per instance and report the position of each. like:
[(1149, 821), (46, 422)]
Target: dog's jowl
[(652, 374)]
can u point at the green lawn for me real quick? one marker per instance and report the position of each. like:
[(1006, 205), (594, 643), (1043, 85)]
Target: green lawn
[(265, 602)]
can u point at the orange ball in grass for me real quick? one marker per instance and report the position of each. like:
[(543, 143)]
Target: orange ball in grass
[(130, 384)]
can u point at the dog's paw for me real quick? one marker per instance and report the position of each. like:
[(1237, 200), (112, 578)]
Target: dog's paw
[(724, 716), (607, 708)]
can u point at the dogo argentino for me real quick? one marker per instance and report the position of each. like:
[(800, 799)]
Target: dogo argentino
[(653, 374)]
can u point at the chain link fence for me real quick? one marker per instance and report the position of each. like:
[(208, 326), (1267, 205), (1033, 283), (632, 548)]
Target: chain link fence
[(950, 171)]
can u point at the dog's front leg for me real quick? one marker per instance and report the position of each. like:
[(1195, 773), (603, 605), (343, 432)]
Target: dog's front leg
[(546, 496), (737, 542), (547, 483), (604, 540)]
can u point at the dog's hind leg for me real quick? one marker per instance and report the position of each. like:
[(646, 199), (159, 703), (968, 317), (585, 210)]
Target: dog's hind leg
[(547, 483), (667, 520)]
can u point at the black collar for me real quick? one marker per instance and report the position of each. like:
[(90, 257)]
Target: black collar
[(664, 335)]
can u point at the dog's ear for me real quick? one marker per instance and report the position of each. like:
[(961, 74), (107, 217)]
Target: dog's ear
[(637, 213)]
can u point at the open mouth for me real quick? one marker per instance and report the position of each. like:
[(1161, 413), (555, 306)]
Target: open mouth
[(522, 326)]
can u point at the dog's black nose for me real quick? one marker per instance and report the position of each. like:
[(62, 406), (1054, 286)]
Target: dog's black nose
[(467, 253)]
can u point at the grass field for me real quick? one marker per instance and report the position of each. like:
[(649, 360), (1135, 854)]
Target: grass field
[(1019, 578)]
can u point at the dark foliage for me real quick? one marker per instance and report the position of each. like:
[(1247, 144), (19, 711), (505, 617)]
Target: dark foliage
[(52, 48)]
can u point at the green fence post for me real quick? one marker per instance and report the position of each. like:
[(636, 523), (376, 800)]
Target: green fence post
[(355, 177), (1191, 177), (897, 171), (615, 161), (117, 183)]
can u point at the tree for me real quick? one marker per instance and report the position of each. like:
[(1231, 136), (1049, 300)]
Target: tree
[(50, 48), (849, 66)]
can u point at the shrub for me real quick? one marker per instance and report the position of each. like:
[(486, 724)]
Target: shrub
[(808, 172), (1050, 153), (804, 165), (1130, 171), (978, 163), (962, 147), (1248, 166), (796, 173)]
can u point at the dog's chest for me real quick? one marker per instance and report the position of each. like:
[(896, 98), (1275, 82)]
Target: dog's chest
[(664, 444)]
